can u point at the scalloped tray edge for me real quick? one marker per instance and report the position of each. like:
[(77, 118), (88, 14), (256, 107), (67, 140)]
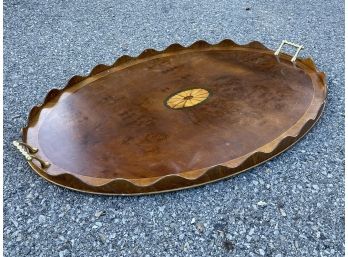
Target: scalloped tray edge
[(157, 185)]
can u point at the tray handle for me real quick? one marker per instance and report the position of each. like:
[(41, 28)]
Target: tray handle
[(28, 152), (299, 48)]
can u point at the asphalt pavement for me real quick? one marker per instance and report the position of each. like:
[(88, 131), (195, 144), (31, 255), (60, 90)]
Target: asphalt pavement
[(289, 206)]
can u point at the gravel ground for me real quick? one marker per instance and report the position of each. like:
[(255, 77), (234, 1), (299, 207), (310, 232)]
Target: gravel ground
[(290, 206)]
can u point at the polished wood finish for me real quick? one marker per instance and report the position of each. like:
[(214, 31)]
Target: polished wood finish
[(174, 119)]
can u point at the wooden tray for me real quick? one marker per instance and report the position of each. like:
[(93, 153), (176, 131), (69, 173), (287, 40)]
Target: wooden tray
[(173, 119)]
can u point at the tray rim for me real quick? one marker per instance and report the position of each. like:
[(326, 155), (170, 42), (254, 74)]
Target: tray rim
[(147, 185)]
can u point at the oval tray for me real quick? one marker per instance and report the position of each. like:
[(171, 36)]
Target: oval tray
[(173, 119)]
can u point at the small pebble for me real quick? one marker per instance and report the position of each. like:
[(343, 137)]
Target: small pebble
[(14, 222), (262, 203), (200, 227), (186, 246), (282, 212), (99, 213), (42, 218)]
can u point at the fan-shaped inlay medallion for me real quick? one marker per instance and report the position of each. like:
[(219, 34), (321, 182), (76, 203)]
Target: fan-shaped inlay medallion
[(187, 98)]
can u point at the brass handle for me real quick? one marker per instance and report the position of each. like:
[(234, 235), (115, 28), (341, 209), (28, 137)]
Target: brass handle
[(299, 48), (28, 152)]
